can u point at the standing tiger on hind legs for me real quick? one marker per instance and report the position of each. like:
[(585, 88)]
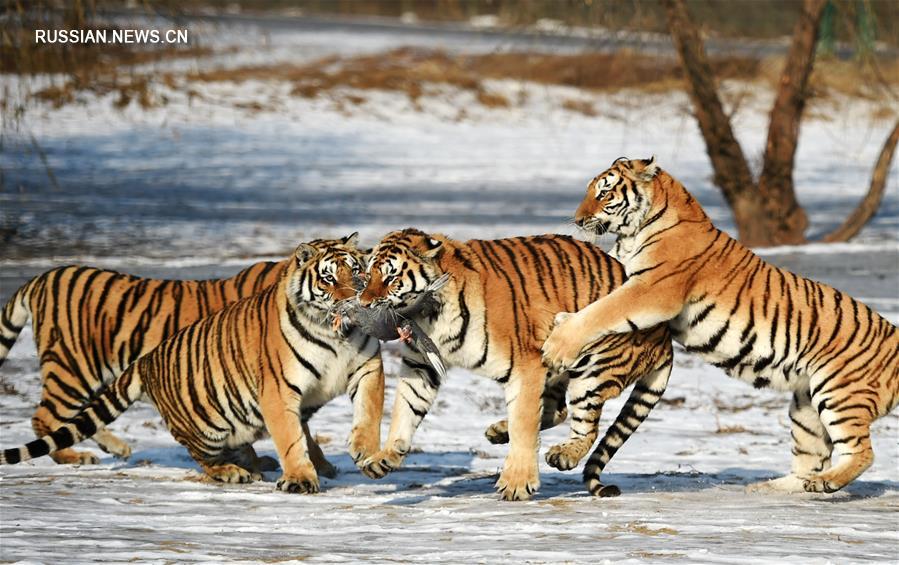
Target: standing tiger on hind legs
[(491, 317), (757, 322), (259, 365), (90, 324)]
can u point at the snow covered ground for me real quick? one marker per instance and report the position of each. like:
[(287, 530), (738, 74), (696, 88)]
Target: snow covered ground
[(682, 477), (198, 188)]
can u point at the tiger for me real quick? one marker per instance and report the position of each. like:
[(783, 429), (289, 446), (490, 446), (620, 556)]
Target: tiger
[(493, 315), (263, 363), (759, 323), (90, 324)]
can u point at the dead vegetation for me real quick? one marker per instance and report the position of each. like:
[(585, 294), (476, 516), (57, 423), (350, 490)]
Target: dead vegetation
[(640, 528), (734, 429), (412, 71), (423, 72)]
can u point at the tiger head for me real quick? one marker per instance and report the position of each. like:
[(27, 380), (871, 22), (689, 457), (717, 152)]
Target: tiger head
[(401, 267), (325, 272), (618, 198)]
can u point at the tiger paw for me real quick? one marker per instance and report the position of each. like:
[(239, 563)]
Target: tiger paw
[(498, 432), (518, 483), (112, 444), (230, 473), (378, 465), (788, 484), (362, 446), (298, 484), (73, 457), (820, 484), (568, 454), (564, 344)]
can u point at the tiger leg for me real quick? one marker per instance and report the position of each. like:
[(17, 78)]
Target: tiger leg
[(811, 447), (366, 389), (847, 418), (647, 392), (586, 396), (623, 310), (322, 466), (281, 413), (227, 466), (52, 415), (111, 443), (554, 411), (43, 422), (247, 458), (415, 393), (63, 395), (524, 392)]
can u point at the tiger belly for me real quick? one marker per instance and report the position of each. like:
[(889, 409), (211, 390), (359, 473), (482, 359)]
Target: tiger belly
[(742, 350)]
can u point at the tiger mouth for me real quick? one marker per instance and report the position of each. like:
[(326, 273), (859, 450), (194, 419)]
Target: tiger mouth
[(596, 226)]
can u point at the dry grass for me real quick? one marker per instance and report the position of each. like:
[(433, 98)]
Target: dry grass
[(639, 528), (736, 429), (418, 72), (725, 430), (411, 70), (584, 107)]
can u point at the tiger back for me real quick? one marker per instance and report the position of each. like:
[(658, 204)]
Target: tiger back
[(258, 365), (495, 311)]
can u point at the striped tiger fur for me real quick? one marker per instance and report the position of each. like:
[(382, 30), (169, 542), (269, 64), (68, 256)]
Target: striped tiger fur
[(264, 363), (757, 322), (91, 324), (494, 313)]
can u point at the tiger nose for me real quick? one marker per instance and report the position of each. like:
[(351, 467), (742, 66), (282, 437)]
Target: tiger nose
[(369, 297)]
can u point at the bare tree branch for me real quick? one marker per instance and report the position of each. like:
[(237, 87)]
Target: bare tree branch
[(869, 204), (732, 174), (776, 180)]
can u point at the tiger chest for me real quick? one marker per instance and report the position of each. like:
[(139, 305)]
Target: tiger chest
[(325, 378)]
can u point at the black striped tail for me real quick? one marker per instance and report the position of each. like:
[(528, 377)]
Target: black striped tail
[(646, 393), (101, 411), (14, 317)]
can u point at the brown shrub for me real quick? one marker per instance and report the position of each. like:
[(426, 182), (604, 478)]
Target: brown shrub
[(584, 107)]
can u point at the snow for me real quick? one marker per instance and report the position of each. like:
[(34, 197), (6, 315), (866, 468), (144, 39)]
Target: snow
[(682, 486), (198, 188)]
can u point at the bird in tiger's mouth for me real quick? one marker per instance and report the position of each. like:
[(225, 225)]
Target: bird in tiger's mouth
[(388, 322)]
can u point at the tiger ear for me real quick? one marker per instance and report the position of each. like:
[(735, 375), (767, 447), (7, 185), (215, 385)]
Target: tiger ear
[(433, 247), (351, 239), (304, 252), (647, 169)]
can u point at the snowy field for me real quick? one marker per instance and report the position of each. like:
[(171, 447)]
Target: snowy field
[(198, 189), (682, 478)]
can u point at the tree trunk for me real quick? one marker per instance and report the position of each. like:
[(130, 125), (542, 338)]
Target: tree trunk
[(869, 204), (767, 212), (775, 186), (732, 174)]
